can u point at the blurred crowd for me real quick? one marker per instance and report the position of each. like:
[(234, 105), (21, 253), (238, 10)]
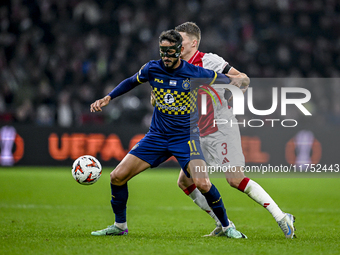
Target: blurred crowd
[(58, 56)]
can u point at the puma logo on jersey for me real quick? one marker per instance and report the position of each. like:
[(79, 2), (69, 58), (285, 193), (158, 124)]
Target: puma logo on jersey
[(158, 80)]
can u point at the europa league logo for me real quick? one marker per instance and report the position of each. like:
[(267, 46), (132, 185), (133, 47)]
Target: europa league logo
[(303, 149), (9, 138)]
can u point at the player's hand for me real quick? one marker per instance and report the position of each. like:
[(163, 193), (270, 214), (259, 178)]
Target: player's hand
[(240, 80), (236, 80), (98, 104), (244, 88), (153, 99)]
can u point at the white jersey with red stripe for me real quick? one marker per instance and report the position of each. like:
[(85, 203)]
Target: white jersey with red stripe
[(214, 111), (221, 145)]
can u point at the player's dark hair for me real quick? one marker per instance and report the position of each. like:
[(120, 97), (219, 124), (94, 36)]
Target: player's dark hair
[(191, 29), (171, 36)]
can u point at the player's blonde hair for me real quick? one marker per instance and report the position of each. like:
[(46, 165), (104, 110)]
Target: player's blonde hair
[(191, 29)]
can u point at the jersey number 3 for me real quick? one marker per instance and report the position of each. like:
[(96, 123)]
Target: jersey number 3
[(224, 152)]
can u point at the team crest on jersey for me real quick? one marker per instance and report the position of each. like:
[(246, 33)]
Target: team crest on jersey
[(186, 84)]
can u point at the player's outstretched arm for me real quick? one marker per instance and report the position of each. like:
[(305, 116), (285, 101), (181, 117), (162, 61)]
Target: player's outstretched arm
[(98, 104), (238, 79), (121, 89)]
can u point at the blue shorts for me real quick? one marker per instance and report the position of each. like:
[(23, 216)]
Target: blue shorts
[(156, 148)]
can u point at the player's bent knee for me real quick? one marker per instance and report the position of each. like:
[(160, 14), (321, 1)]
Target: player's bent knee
[(183, 184), (180, 184), (203, 186), (115, 180), (183, 181)]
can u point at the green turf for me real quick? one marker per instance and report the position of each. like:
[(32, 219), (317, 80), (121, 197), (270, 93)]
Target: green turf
[(44, 211)]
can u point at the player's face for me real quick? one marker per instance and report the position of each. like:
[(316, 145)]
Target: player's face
[(170, 63), (188, 44)]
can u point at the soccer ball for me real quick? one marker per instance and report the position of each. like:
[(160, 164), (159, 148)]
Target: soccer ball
[(86, 170)]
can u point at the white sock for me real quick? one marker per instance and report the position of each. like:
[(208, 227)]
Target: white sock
[(259, 195), (200, 200), (122, 226)]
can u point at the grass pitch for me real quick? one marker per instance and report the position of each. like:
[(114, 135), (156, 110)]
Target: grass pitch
[(44, 211)]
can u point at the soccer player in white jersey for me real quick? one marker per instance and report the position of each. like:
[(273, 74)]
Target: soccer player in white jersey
[(221, 144)]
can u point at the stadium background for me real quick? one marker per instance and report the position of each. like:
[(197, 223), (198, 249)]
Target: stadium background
[(57, 57)]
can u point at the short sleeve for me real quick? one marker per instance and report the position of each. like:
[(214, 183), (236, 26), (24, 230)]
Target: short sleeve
[(214, 62)]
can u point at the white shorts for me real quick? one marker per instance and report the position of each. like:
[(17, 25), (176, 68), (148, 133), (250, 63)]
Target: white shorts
[(223, 148)]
